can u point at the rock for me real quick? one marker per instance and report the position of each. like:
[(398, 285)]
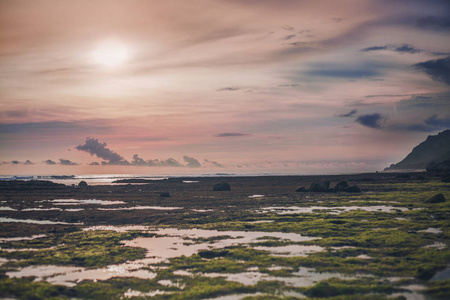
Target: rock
[(320, 186), (82, 184), (438, 198), (341, 186), (164, 195), (301, 189), (353, 189), (224, 186)]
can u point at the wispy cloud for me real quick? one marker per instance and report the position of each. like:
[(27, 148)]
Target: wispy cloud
[(349, 114), (228, 88)]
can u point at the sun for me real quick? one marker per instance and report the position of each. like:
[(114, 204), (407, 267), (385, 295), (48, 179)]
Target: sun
[(111, 54)]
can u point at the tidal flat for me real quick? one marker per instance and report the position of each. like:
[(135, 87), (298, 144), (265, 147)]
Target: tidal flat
[(261, 240)]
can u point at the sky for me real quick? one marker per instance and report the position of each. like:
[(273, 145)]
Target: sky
[(219, 86)]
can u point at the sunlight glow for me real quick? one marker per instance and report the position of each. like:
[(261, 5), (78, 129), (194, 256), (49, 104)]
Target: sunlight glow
[(110, 54)]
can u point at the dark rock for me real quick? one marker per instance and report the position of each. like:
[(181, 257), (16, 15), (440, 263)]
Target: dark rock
[(82, 184), (438, 198), (353, 189), (164, 195), (224, 186), (320, 186), (341, 186), (301, 189), (212, 254)]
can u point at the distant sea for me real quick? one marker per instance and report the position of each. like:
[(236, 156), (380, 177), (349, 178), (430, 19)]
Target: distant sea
[(107, 179)]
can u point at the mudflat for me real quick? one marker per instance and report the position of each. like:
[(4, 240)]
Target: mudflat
[(267, 237)]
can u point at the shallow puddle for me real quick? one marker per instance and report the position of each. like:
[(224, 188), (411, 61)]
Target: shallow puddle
[(290, 250), (42, 222), (432, 230), (26, 238), (82, 202), (143, 207), (330, 210)]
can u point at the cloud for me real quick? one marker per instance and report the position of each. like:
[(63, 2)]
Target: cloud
[(230, 134), (28, 162), (433, 23), (228, 88), (53, 127), (438, 69), (94, 147), (349, 114), (66, 162), (375, 48), (170, 162), (343, 73), (94, 163), (337, 20), (370, 120), (49, 162), (288, 37), (213, 163), (288, 85), (15, 162), (407, 49), (137, 161), (191, 162), (297, 44)]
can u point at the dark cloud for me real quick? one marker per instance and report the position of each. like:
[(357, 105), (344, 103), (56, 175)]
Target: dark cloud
[(94, 163), (137, 161), (407, 49), (349, 114), (66, 162), (28, 162), (191, 162), (170, 162), (49, 162), (440, 53), (438, 69), (433, 23), (94, 147), (375, 48), (230, 134), (228, 88), (288, 37), (370, 120), (15, 162)]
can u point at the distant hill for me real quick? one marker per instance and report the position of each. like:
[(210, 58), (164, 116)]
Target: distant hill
[(436, 148)]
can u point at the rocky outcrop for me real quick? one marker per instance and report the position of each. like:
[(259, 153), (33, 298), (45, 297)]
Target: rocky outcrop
[(223, 186), (438, 198), (324, 187), (320, 186), (436, 148)]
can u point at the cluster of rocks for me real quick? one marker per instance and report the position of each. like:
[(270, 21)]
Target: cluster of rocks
[(324, 187)]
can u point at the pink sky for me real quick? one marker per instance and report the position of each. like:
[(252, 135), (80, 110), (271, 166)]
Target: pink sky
[(295, 87)]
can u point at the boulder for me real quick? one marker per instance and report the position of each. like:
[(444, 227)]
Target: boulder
[(301, 189), (320, 186), (82, 184), (164, 195), (223, 186), (353, 189), (438, 198), (341, 186)]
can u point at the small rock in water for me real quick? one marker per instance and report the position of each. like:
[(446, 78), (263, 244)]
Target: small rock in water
[(341, 186), (224, 186), (438, 198), (164, 195), (320, 186), (82, 184), (353, 189)]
